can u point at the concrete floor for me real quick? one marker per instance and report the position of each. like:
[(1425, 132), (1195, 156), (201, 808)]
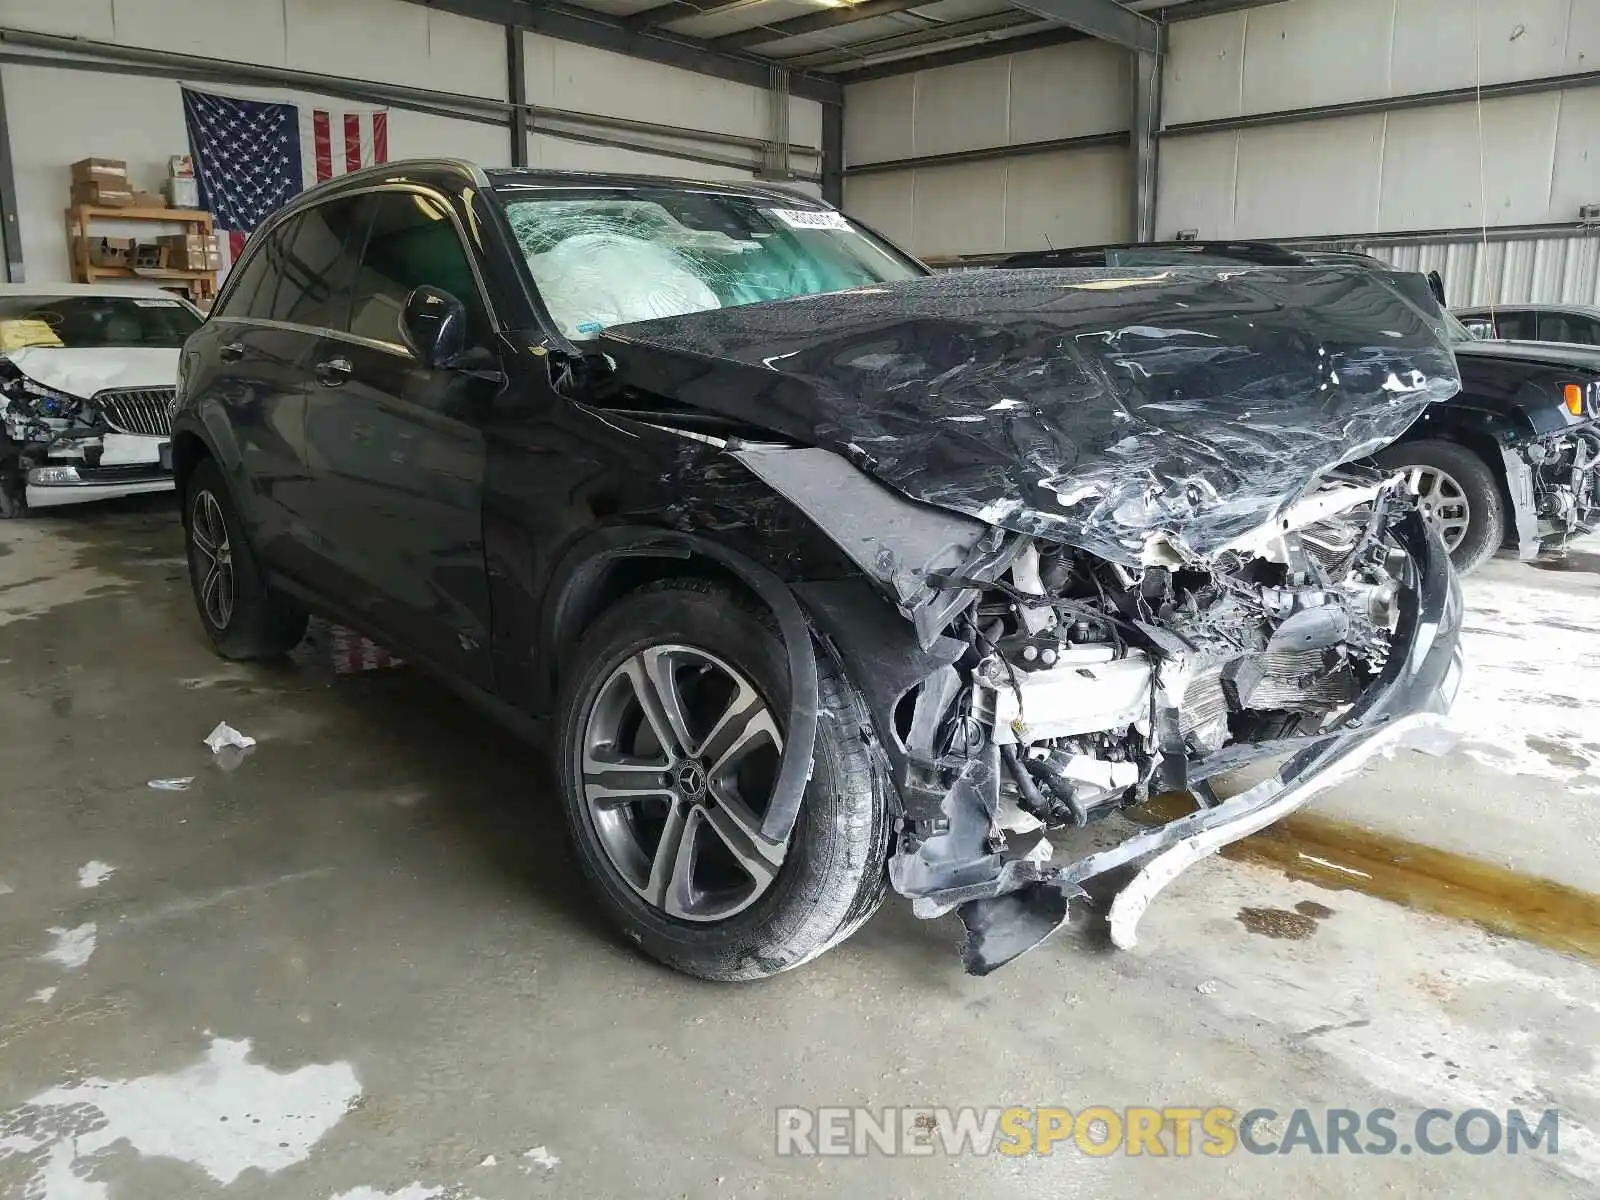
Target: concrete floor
[(360, 965)]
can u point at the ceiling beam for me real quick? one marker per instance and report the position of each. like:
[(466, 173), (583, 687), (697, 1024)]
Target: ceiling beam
[(867, 53), (1103, 19), (997, 48), (589, 28), (681, 10), (828, 18)]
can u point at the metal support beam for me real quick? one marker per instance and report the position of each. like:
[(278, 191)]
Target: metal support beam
[(1057, 36), (602, 31), (828, 18), (1103, 19), (988, 153), (681, 10), (833, 155), (10, 231), (951, 34), (517, 93), (1145, 131), (1353, 108)]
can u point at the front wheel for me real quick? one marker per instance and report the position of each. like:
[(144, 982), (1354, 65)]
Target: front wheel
[(673, 721), (242, 615), (1458, 495)]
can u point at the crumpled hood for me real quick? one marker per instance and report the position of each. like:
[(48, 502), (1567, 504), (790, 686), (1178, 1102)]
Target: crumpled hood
[(1098, 408), (84, 372)]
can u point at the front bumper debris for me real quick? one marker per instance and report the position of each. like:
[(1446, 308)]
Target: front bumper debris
[(1027, 899)]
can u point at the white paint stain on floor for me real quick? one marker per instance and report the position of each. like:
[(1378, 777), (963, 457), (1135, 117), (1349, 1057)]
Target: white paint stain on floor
[(540, 1157), (73, 947), (1533, 654), (412, 1191), (222, 1114), (44, 995), (93, 874)]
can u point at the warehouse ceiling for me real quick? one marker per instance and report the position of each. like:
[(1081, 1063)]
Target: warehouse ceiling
[(842, 37), (836, 41)]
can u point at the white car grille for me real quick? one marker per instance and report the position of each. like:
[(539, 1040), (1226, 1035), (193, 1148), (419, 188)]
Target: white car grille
[(138, 410)]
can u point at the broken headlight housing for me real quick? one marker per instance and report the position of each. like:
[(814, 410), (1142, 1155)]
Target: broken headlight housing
[(31, 411)]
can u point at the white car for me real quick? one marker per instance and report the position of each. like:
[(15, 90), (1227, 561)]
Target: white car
[(87, 377)]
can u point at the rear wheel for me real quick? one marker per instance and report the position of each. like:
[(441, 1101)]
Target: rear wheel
[(242, 615), (672, 728), (1458, 495)]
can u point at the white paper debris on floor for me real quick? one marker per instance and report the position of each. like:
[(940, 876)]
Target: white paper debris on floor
[(93, 874), (226, 735), (5, 888), (44, 995), (222, 1114), (181, 783), (1532, 656), (73, 946), (411, 1191), (540, 1157)]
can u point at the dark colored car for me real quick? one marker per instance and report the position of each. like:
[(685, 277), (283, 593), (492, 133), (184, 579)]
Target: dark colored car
[(1576, 324), (1511, 462), (823, 573)]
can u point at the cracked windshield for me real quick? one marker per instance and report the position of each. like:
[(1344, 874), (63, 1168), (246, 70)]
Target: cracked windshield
[(612, 258)]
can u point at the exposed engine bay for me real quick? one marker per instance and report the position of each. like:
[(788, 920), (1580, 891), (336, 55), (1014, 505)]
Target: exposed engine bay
[(1058, 688), (1565, 471)]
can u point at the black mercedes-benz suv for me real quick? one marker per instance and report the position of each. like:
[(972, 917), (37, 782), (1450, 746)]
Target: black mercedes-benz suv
[(823, 573)]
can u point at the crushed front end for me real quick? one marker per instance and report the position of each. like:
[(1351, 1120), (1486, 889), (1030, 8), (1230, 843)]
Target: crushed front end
[(1085, 687), (1110, 545)]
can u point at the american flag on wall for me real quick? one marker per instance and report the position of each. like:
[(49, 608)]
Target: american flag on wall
[(251, 157)]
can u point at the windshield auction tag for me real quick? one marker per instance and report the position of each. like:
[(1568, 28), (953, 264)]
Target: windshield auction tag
[(156, 304), (807, 218)]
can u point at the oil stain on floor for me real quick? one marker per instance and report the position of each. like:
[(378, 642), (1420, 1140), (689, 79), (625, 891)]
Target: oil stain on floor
[(1343, 857), (1339, 856)]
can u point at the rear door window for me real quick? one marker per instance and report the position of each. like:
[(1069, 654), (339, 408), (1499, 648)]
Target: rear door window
[(1566, 327)]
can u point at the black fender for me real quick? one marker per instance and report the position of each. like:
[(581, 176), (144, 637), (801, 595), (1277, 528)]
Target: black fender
[(583, 569), (214, 431)]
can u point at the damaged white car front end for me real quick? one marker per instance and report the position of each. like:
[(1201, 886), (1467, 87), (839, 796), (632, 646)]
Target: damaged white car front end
[(87, 378)]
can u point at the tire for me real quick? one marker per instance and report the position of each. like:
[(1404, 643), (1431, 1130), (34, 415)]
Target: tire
[(259, 622), (13, 497), (832, 876), (1474, 484)]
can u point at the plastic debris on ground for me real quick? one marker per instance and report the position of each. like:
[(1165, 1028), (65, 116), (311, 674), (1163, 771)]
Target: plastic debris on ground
[(226, 735), (180, 784)]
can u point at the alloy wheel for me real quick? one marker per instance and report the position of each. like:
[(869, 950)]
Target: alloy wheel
[(1443, 503), (208, 534), (680, 755)]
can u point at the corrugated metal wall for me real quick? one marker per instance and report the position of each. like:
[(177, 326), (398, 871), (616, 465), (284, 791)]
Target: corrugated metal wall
[(1554, 269), (1026, 202)]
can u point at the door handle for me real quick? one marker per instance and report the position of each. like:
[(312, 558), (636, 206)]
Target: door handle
[(231, 352), (334, 371)]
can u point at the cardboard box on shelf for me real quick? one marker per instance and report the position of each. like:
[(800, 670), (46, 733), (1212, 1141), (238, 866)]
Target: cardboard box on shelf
[(147, 256), (182, 192), (189, 252), (110, 251), (111, 171), (143, 199), (180, 166), (104, 195)]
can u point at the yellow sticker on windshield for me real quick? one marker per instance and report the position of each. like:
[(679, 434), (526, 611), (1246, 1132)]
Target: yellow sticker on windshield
[(14, 335)]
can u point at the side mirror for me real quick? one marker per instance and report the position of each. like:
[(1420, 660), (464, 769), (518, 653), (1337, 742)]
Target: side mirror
[(433, 325)]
